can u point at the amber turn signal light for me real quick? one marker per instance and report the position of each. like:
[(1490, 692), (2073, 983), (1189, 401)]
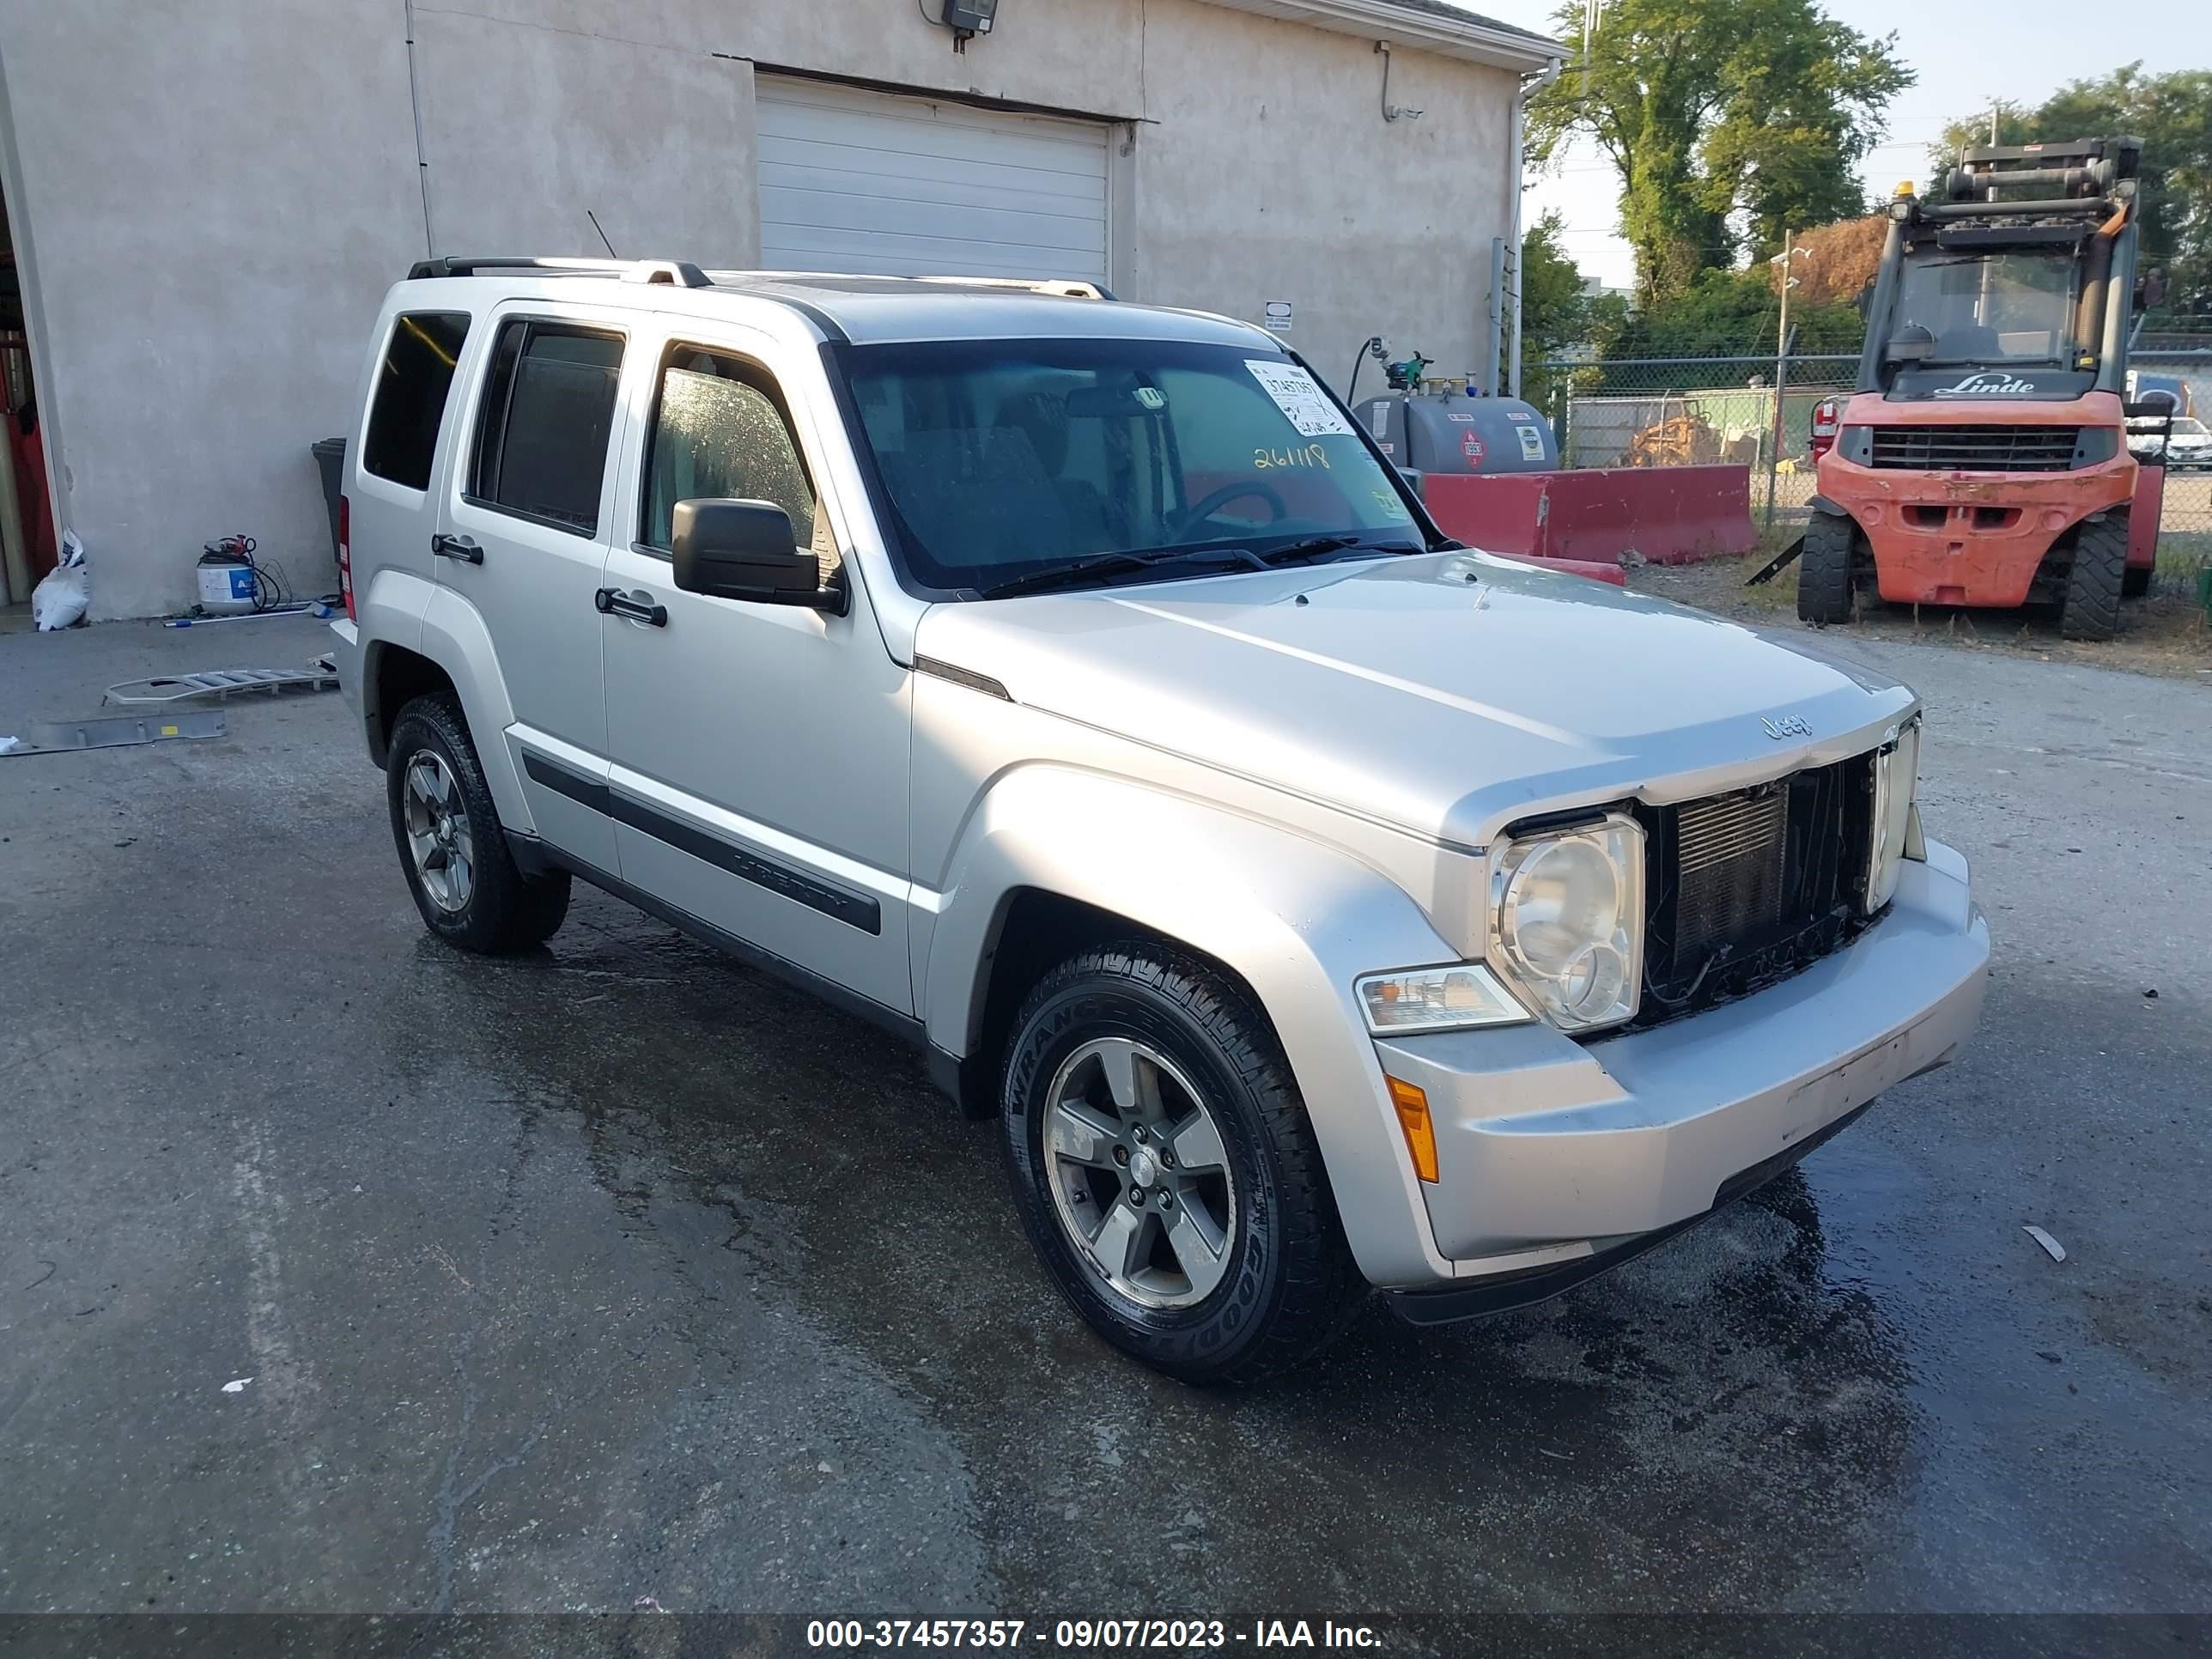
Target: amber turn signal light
[(1419, 1131)]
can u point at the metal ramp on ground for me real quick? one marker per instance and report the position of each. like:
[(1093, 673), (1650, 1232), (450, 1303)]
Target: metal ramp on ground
[(220, 682)]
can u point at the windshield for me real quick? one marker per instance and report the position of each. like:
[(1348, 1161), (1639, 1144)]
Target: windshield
[(2005, 307), (1003, 458)]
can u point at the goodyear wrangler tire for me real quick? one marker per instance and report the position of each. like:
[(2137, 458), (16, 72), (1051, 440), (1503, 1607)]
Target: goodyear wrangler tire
[(1166, 1172), (2098, 576), (1824, 570)]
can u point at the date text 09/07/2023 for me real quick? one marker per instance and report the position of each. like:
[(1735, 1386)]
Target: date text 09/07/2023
[(1173, 1635)]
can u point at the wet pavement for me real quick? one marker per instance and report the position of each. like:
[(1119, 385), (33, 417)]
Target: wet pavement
[(620, 1272)]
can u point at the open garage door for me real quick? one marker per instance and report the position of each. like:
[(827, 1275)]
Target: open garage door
[(866, 181)]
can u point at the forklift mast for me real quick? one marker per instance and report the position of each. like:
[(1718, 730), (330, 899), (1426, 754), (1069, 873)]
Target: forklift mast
[(2074, 200)]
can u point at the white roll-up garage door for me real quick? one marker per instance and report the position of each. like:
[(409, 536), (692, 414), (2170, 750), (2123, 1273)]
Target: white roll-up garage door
[(867, 181)]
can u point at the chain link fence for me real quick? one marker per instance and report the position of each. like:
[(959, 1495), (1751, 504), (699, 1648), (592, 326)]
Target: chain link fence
[(1755, 410), (2184, 526)]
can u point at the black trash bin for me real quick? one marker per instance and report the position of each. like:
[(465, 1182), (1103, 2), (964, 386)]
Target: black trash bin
[(330, 456)]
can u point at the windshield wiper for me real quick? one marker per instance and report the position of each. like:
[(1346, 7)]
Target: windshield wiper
[(1115, 564), (1312, 547)]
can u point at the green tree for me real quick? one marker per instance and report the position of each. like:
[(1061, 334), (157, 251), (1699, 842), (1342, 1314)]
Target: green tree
[(2171, 114), (1712, 111), (1728, 314), (1558, 316)]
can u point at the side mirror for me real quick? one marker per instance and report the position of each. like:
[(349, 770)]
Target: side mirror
[(1910, 344), (744, 550)]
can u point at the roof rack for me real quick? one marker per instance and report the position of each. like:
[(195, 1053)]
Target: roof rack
[(671, 273), (1064, 288)]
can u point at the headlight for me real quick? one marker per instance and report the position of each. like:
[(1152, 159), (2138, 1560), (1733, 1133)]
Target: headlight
[(1450, 999), (1896, 774), (1569, 921)]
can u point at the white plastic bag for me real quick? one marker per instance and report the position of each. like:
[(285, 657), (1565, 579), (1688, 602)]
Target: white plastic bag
[(59, 601)]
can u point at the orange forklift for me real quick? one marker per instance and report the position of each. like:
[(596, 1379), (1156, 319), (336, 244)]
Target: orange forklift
[(1982, 459)]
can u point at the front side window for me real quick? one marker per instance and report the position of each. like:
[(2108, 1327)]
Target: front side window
[(548, 411), (410, 403), (1004, 458), (2012, 307), (719, 432)]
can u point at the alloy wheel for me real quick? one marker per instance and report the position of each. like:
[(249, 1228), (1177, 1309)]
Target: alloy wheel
[(438, 835), (1140, 1177)]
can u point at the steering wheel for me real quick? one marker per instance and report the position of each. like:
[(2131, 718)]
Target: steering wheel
[(1214, 499)]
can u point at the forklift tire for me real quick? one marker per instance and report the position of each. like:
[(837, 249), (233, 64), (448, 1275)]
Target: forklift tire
[(1824, 570), (2136, 583), (2093, 586)]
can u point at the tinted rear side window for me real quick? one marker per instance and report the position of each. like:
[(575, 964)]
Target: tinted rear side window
[(402, 441), (549, 408)]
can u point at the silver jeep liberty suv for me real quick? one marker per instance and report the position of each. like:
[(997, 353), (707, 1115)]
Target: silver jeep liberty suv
[(1073, 686)]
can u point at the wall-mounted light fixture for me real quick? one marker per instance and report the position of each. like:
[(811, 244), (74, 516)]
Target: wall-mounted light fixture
[(968, 19)]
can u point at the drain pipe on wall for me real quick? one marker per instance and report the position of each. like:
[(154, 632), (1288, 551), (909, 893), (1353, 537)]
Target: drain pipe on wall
[(1529, 86)]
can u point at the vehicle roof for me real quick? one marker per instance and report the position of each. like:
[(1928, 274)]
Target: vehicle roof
[(882, 309), (865, 309)]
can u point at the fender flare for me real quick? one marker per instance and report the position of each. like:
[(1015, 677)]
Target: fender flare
[(455, 638), (387, 616), (1822, 504), (1298, 920)]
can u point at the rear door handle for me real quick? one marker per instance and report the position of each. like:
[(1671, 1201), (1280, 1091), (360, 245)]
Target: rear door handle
[(463, 547), (613, 602)]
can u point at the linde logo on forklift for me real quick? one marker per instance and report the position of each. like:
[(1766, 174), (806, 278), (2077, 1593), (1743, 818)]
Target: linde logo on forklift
[(1988, 385), (1975, 385)]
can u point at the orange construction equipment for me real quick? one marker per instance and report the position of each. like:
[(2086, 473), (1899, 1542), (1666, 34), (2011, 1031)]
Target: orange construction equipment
[(1983, 458)]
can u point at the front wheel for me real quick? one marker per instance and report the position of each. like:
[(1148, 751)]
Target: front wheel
[(1825, 572), (2098, 578), (1166, 1172)]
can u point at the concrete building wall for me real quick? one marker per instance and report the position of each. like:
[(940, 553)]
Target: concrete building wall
[(217, 194), (527, 130), (1271, 174)]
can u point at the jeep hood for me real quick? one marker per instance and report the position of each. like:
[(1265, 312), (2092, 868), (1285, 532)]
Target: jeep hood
[(1445, 694)]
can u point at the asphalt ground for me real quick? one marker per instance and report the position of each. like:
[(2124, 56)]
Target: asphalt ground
[(620, 1276)]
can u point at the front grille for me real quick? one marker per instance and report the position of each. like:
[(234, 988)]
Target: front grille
[(1745, 890), (1977, 448)]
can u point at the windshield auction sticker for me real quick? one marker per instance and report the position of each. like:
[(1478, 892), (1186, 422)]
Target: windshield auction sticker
[(1295, 393)]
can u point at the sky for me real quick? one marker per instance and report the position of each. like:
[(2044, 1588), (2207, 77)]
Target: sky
[(1965, 54)]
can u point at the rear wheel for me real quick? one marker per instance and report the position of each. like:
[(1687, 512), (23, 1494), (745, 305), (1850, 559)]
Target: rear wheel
[(1824, 570), (2136, 583), (1166, 1172), (2096, 579), (463, 876)]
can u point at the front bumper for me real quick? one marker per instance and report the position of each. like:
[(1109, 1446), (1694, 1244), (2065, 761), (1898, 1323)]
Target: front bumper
[(1975, 539), (1557, 1157)]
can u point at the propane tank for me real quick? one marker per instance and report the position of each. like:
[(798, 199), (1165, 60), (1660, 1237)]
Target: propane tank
[(1452, 431)]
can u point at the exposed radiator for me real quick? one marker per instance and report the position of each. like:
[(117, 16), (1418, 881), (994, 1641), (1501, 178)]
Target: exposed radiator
[(1746, 889)]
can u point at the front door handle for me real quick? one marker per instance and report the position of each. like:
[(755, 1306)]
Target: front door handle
[(613, 602), (463, 547)]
